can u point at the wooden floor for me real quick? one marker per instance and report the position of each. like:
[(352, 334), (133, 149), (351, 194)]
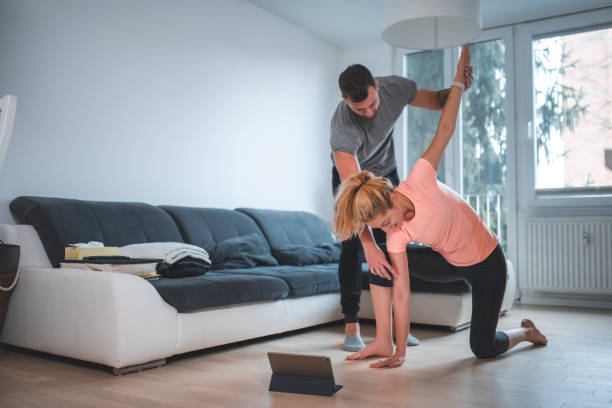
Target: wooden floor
[(574, 370)]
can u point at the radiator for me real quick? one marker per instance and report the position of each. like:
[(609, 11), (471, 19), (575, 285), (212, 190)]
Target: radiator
[(567, 255)]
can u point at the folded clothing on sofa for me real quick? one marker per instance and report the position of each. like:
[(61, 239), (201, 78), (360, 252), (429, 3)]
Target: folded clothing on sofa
[(178, 259), (141, 267), (182, 268), (168, 252)]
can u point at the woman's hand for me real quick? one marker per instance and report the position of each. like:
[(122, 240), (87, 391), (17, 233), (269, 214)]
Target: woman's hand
[(394, 361), (377, 261)]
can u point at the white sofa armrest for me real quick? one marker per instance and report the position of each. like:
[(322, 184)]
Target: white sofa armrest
[(32, 252), (104, 317)]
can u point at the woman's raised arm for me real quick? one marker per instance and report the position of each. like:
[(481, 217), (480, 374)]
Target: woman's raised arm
[(448, 118)]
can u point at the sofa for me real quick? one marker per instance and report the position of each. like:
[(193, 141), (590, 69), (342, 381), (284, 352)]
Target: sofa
[(129, 323)]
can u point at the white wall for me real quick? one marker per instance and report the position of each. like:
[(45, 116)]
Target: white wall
[(377, 57), (187, 102)]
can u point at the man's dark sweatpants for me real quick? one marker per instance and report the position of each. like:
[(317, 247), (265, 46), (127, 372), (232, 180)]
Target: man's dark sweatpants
[(351, 258)]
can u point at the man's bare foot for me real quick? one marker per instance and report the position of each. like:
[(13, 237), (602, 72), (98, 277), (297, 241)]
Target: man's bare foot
[(533, 334), (392, 362), (379, 348)]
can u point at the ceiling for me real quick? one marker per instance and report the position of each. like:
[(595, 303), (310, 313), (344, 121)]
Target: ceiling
[(356, 23)]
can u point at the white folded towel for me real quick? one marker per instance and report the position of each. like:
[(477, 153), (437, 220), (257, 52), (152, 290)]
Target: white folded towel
[(90, 244), (169, 252)]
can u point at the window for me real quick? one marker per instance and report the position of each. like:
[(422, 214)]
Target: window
[(427, 70), (484, 137), (573, 111)]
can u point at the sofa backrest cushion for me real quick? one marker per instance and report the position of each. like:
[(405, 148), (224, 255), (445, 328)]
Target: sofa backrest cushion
[(60, 222), (283, 228), (205, 227)]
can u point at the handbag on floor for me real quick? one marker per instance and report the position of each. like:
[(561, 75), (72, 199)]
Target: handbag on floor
[(9, 274)]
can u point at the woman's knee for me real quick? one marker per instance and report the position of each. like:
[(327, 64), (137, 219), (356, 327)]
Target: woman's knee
[(482, 349)]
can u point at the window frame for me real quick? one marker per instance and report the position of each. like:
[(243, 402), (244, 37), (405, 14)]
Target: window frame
[(507, 35), (400, 69), (534, 200)]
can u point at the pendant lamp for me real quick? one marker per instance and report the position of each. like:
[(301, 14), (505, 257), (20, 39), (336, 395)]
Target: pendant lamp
[(430, 24)]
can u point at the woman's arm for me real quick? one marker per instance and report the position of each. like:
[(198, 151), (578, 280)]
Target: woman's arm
[(448, 118), (401, 310)]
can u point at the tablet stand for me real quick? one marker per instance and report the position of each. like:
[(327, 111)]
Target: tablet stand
[(298, 384)]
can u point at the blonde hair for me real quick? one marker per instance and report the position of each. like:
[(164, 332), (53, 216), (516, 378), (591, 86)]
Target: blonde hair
[(361, 198)]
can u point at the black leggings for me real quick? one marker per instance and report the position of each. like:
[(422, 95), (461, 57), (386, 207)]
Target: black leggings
[(488, 279)]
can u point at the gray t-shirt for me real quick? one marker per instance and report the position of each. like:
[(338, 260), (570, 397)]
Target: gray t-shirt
[(371, 140)]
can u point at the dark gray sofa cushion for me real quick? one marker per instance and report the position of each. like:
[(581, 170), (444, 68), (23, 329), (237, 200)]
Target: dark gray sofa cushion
[(290, 227), (215, 289), (205, 227), (302, 280), (245, 251), (60, 222), (307, 254)]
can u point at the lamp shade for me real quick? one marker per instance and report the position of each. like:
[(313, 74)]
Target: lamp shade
[(430, 24), (8, 103)]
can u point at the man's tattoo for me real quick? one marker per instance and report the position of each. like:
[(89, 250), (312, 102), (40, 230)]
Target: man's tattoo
[(443, 96)]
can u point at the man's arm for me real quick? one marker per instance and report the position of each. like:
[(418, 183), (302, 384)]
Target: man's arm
[(348, 165), (431, 100), (435, 100)]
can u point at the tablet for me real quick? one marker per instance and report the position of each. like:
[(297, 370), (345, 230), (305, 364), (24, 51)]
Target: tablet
[(302, 373)]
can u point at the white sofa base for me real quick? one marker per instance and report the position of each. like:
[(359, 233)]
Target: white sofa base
[(252, 320), (121, 321)]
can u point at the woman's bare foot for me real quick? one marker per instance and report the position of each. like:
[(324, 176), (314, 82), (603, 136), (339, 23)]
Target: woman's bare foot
[(394, 361), (379, 348), (533, 334)]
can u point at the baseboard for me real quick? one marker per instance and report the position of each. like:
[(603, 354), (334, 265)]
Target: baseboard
[(554, 301)]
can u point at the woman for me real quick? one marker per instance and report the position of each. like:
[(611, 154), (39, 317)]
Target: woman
[(427, 211)]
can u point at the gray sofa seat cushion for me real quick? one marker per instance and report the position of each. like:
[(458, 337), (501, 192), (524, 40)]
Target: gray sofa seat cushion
[(205, 227), (302, 280), (215, 289), (283, 228), (60, 222)]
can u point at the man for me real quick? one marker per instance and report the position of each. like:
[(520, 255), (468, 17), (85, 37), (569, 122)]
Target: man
[(362, 139)]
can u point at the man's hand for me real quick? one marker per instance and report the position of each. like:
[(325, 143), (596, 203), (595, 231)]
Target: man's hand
[(464, 70), (378, 262), (469, 77)]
